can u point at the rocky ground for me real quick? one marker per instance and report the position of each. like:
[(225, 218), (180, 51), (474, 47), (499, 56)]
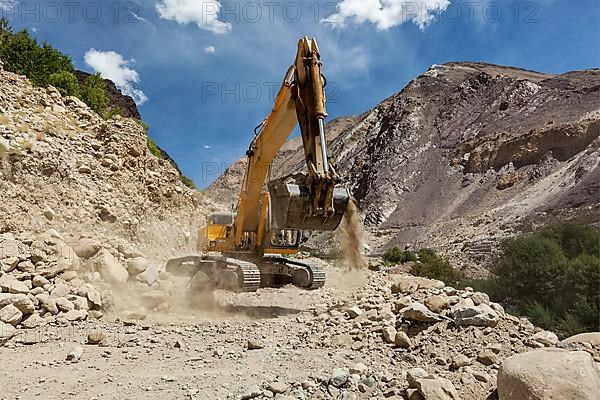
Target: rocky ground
[(90, 320)]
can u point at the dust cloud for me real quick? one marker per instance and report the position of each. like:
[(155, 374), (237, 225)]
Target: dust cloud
[(350, 238)]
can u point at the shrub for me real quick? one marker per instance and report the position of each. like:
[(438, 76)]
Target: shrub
[(65, 82), (154, 148), (553, 277), (21, 54), (395, 256), (188, 182), (94, 93), (432, 266)]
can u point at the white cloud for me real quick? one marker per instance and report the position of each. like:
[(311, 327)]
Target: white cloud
[(210, 49), (114, 67), (386, 14), (204, 13), (206, 146)]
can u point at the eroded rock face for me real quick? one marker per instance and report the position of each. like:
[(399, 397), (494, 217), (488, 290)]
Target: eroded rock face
[(548, 374)]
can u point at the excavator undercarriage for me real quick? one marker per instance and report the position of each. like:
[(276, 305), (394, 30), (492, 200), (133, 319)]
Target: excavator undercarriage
[(209, 272)]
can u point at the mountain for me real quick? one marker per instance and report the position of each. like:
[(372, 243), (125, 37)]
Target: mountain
[(467, 154), (64, 167)]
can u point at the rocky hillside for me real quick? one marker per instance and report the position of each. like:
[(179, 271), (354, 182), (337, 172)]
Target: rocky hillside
[(63, 167), (468, 153)]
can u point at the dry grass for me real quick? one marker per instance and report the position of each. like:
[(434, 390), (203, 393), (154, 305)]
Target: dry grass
[(4, 120)]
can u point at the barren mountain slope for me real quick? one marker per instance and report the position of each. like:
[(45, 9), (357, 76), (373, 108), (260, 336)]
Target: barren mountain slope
[(467, 153), (64, 167)]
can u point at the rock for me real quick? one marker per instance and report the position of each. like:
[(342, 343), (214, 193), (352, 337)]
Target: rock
[(34, 321), (487, 357), (11, 315), (17, 287), (75, 315), (431, 387), (460, 360), (49, 213), (466, 313), (86, 248), (437, 304), (418, 312), (592, 338), (546, 338), (20, 301), (96, 337), (39, 281), (389, 334), (74, 355), (149, 276), (278, 387), (255, 344), (136, 265), (9, 263), (548, 374), (7, 331), (339, 377), (402, 340), (94, 297), (109, 268), (48, 303), (409, 284), (60, 290), (64, 304), (359, 369), (251, 392), (480, 298), (354, 312)]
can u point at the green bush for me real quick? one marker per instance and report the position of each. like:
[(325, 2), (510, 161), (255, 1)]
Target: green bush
[(395, 256), (154, 148), (65, 82), (188, 182), (21, 54), (93, 93), (553, 277), (432, 266)]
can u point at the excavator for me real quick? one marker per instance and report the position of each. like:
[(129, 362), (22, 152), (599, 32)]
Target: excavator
[(244, 249)]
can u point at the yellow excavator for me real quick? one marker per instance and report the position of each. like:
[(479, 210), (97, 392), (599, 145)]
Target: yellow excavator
[(244, 249)]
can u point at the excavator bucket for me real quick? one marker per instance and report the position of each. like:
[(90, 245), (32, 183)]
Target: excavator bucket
[(291, 205)]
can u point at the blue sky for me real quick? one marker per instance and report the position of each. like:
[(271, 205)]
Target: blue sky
[(203, 71)]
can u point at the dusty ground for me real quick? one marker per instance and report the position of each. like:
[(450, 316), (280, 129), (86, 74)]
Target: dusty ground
[(182, 354)]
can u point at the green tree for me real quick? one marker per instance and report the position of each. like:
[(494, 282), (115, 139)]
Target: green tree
[(430, 265), (93, 93), (21, 54), (529, 269), (66, 82)]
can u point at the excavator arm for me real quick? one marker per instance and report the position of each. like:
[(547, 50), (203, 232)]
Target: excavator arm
[(307, 201)]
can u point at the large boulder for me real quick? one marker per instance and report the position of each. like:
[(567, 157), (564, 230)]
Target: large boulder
[(592, 338), (109, 268), (20, 301), (429, 386), (546, 374), (466, 313), (86, 247), (418, 312), (410, 284)]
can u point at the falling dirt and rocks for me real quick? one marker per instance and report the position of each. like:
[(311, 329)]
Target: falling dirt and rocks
[(466, 153), (87, 310)]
